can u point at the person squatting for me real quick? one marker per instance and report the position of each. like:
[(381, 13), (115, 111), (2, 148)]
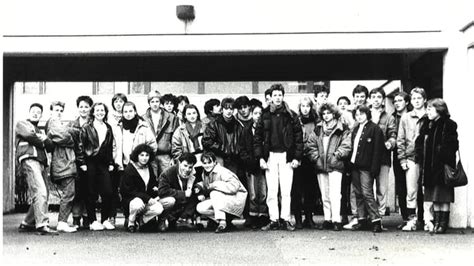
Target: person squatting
[(170, 168)]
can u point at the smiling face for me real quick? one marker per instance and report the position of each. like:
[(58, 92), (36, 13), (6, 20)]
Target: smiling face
[(99, 112), (327, 116), (208, 165), (169, 106), (185, 169), (118, 104), (84, 109), (377, 100), (129, 112), (360, 99), (360, 117), (57, 112), (35, 114), (191, 115), (143, 158), (155, 104), (417, 101), (399, 103), (342, 104)]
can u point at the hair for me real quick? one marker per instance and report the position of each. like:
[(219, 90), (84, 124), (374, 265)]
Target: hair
[(36, 105), (188, 157), (268, 92), (142, 148), (345, 98), (418, 90), (208, 155), (56, 103), (305, 99), (378, 90), (179, 99), (228, 101), (440, 106), (168, 98), (241, 101), (277, 87), (321, 88), (402, 94), (254, 103), (121, 96), (362, 109), (190, 106), (84, 98), (209, 105), (331, 108), (91, 113), (133, 105), (360, 89), (153, 94)]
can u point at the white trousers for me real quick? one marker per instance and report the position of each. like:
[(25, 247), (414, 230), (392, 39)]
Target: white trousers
[(412, 175), (148, 211), (381, 188), (330, 186), (279, 175), (207, 209)]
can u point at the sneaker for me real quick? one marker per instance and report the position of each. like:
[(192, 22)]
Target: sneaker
[(288, 226), (222, 228), (65, 228), (132, 228), (96, 226), (429, 227), (272, 225), (161, 225), (108, 225), (112, 221), (400, 226), (354, 221), (410, 226), (26, 228), (45, 230)]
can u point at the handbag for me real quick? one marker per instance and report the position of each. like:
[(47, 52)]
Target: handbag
[(455, 177)]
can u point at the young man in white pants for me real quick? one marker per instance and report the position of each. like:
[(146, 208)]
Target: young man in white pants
[(278, 143)]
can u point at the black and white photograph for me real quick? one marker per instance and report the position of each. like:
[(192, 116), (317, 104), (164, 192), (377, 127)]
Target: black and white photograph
[(206, 132)]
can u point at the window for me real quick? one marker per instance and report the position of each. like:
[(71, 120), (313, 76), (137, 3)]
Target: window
[(103, 88), (139, 87)]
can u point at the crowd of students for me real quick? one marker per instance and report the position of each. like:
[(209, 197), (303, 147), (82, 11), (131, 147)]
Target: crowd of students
[(168, 168)]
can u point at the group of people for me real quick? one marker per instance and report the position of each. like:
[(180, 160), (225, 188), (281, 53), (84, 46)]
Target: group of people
[(263, 162)]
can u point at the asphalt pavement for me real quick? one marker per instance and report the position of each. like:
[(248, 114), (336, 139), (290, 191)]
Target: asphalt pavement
[(243, 246)]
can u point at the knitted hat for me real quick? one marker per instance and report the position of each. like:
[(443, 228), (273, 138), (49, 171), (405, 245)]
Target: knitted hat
[(153, 94)]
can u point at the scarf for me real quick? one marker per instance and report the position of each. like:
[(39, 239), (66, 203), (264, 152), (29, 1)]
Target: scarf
[(130, 124), (311, 118), (194, 134), (274, 108), (328, 128)]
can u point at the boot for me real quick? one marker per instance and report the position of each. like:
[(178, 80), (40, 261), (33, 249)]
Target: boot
[(308, 221), (298, 221), (436, 218), (443, 223), (76, 221)]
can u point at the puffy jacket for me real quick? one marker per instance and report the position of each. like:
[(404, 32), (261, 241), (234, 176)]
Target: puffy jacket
[(166, 127), (90, 145), (63, 157), (143, 135), (292, 135), (223, 137), (407, 133), (338, 149), (29, 145), (181, 142), (369, 149), (247, 154), (388, 125)]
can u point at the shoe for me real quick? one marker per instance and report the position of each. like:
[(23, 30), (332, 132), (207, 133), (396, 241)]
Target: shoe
[(125, 223), (211, 225), (96, 226), (249, 221), (377, 226), (298, 221), (420, 225), (162, 225), (262, 221), (45, 230), (344, 220), (410, 226), (112, 221), (65, 228), (361, 225), (429, 227), (132, 228), (85, 222), (400, 226), (436, 218), (308, 222), (272, 225), (337, 226), (221, 228), (230, 226), (108, 225), (326, 225), (26, 228), (76, 222), (354, 221), (288, 226), (443, 223)]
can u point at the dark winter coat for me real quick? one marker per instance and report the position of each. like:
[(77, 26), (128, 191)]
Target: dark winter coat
[(90, 145), (292, 135), (436, 146), (338, 149), (247, 154), (370, 148), (132, 186), (389, 129), (223, 137), (168, 185)]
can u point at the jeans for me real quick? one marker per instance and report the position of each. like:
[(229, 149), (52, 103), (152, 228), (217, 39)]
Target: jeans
[(330, 186), (66, 187), (257, 188), (80, 195), (382, 188), (146, 210), (412, 176), (35, 174), (99, 182), (279, 175), (364, 190), (400, 186)]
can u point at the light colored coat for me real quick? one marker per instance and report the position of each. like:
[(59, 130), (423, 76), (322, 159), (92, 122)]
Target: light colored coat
[(181, 143), (408, 131)]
